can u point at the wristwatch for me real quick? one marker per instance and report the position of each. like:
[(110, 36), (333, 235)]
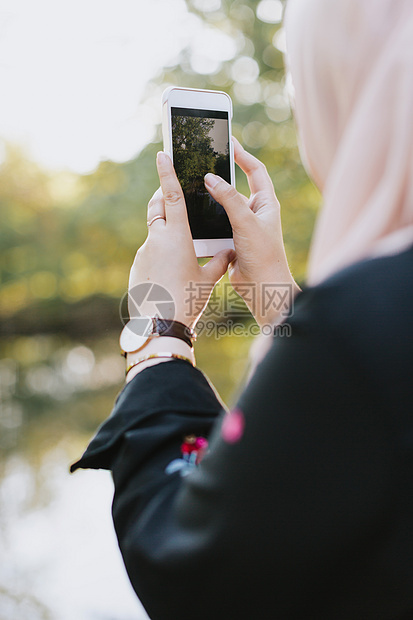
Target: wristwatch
[(138, 331)]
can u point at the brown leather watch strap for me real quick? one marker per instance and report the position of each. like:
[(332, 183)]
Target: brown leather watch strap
[(176, 329)]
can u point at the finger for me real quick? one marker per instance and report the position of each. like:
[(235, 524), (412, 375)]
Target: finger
[(217, 266), (239, 214), (257, 175), (156, 207), (175, 208)]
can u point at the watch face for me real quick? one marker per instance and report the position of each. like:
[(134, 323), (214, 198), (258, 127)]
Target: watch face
[(136, 333)]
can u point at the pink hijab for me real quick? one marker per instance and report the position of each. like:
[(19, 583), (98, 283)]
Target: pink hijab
[(351, 63)]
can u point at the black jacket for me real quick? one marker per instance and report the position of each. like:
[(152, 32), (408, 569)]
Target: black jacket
[(310, 514)]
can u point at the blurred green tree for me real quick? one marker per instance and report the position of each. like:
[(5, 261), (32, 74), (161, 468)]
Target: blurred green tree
[(67, 241)]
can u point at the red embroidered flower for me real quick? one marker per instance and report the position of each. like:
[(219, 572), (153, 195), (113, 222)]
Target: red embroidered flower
[(194, 448)]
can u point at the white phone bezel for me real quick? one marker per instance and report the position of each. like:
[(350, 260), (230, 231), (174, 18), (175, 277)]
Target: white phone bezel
[(175, 96)]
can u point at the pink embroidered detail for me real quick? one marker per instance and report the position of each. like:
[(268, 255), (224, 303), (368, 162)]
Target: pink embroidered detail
[(193, 448), (233, 426)]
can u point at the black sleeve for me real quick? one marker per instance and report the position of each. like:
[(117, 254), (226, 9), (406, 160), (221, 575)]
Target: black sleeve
[(279, 523), (163, 403)]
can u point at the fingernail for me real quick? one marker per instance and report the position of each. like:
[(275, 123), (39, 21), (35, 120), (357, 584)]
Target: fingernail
[(162, 158), (211, 180)]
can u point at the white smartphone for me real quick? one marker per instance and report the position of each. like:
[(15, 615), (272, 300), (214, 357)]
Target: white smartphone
[(196, 128)]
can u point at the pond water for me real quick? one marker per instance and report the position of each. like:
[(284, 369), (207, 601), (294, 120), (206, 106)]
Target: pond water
[(59, 554)]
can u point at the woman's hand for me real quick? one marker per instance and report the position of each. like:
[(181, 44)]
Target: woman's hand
[(168, 258), (260, 272)]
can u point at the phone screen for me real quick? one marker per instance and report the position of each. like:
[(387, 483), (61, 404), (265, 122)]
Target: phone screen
[(200, 141)]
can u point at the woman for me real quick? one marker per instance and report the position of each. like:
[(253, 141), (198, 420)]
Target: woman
[(303, 505)]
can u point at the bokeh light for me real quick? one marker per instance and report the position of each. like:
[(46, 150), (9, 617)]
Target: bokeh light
[(245, 70), (270, 11)]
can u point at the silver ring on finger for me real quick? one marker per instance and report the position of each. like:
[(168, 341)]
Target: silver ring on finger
[(157, 217)]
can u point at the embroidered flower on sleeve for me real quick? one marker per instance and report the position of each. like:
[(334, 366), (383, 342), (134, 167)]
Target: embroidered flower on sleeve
[(193, 449)]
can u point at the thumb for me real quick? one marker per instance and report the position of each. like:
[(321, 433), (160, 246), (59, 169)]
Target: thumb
[(234, 203), (217, 266)]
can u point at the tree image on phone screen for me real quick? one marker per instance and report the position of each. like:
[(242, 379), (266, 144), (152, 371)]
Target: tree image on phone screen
[(200, 141)]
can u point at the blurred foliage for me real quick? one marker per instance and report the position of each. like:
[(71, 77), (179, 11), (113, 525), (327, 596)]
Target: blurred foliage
[(67, 241)]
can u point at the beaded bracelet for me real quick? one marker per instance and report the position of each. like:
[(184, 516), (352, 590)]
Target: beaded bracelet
[(166, 355)]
